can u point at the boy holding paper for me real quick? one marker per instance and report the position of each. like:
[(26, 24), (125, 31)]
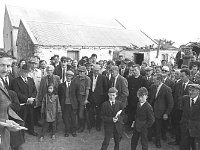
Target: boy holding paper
[(143, 120), (113, 120)]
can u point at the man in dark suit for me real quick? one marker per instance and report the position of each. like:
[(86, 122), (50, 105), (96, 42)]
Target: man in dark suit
[(113, 124), (181, 88), (26, 91), (149, 77), (68, 104), (190, 120), (120, 83), (62, 68), (160, 98), (134, 83), (97, 95)]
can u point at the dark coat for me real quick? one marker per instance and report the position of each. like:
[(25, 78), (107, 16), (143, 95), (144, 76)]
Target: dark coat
[(108, 113), (24, 90), (101, 90), (144, 117), (178, 94), (170, 84), (163, 103), (190, 118), (58, 70), (62, 95)]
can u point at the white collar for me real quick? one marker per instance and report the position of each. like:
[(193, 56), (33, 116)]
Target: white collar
[(195, 99), (142, 104)]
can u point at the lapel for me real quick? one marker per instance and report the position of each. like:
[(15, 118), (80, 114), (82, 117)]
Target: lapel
[(196, 105), (117, 81), (4, 90)]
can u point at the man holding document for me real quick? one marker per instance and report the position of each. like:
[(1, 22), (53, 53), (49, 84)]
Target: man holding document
[(6, 125)]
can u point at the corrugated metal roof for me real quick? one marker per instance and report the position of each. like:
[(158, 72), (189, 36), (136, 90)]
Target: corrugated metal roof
[(16, 13), (52, 34)]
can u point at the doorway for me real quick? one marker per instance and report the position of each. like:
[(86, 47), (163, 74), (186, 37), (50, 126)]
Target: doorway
[(139, 58)]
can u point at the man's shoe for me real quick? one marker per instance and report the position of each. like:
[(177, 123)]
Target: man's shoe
[(66, 134), (158, 144), (173, 143), (81, 129), (74, 134), (33, 133)]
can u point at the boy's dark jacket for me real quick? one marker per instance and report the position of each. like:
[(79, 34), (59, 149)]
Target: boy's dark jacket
[(144, 117), (108, 113)]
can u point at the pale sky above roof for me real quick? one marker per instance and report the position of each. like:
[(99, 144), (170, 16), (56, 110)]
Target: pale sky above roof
[(176, 20)]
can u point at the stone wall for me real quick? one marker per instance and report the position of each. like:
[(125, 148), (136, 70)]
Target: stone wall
[(25, 47)]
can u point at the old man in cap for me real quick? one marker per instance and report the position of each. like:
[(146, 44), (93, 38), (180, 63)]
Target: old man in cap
[(69, 104), (190, 121), (81, 87)]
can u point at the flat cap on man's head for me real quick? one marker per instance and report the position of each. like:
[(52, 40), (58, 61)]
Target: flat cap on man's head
[(116, 68), (64, 58), (195, 86), (69, 72), (82, 69), (33, 60), (148, 68)]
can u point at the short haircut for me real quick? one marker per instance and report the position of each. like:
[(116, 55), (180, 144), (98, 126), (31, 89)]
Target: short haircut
[(186, 70), (50, 67), (56, 56), (142, 91), (131, 63), (94, 55), (112, 90), (41, 61), (110, 62)]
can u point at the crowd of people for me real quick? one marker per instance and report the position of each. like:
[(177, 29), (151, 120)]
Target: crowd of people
[(152, 101)]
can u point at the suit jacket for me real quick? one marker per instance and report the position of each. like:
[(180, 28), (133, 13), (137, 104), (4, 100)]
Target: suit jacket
[(62, 95), (190, 117), (163, 103), (178, 94), (100, 93), (58, 70), (122, 87), (5, 112), (170, 84), (24, 90), (107, 114), (8, 86), (149, 82), (144, 117), (44, 84)]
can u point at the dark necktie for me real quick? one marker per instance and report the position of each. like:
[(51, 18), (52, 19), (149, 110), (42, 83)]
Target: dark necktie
[(192, 104), (184, 86), (5, 82), (63, 76), (113, 105)]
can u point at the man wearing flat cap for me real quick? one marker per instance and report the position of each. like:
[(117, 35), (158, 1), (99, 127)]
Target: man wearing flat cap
[(26, 91), (69, 104), (62, 68), (190, 121), (97, 95), (148, 76), (81, 86), (120, 83)]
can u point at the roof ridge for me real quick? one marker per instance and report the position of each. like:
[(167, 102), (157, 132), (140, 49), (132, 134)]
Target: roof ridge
[(77, 25)]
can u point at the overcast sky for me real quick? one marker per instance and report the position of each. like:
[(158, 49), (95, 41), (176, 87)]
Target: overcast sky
[(176, 20)]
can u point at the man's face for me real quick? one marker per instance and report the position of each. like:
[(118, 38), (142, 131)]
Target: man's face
[(155, 80), (101, 64), (165, 73), (5, 64), (95, 72), (112, 96), (89, 67), (64, 64), (50, 71), (82, 73), (94, 59), (75, 63), (183, 77), (158, 70), (33, 65), (43, 65), (148, 73), (56, 59), (69, 62), (114, 73), (24, 74), (194, 69), (177, 75), (69, 78), (136, 71), (193, 92)]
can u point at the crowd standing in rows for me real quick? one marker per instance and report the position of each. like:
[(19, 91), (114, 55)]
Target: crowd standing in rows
[(152, 101)]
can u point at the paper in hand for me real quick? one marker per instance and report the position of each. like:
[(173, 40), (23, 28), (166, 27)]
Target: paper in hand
[(118, 113)]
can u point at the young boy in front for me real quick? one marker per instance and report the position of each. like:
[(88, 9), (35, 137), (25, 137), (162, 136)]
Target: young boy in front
[(112, 118), (143, 120)]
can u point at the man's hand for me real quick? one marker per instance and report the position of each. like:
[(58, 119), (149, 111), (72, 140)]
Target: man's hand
[(133, 124), (165, 116), (13, 126), (30, 100), (86, 101), (115, 119)]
